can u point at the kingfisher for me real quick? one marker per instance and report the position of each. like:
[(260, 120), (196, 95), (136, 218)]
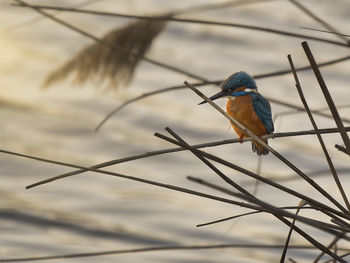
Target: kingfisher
[(246, 105)]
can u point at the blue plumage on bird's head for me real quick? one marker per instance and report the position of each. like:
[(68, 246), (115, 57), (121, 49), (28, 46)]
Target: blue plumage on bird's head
[(238, 79), (230, 86)]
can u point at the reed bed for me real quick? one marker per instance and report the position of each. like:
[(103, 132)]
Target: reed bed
[(115, 57)]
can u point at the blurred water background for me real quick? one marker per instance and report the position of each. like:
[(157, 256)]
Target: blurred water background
[(93, 212)]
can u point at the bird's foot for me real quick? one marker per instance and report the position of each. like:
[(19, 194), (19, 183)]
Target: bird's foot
[(240, 139)]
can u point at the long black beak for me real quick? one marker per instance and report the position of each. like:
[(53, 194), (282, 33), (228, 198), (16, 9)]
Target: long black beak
[(216, 96)]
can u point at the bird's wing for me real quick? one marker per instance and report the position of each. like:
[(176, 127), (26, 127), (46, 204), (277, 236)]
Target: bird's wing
[(263, 111)]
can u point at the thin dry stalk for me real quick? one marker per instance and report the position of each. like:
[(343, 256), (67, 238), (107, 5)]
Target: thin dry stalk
[(245, 214), (290, 177), (333, 243), (261, 142), (258, 171), (335, 251), (214, 6), (328, 158), (341, 148), (298, 108), (327, 96), (288, 71), (215, 187), (320, 110), (284, 253), (130, 101), (227, 218), (153, 249), (318, 19), (325, 31)]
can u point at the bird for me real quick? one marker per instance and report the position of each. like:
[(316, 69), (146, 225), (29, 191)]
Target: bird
[(246, 105)]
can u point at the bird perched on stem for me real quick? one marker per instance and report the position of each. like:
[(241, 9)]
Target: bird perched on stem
[(246, 105)]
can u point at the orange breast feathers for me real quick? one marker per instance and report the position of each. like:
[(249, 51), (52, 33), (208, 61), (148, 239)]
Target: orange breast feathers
[(241, 109)]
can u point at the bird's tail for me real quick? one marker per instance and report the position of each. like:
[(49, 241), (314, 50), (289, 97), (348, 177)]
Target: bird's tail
[(259, 149)]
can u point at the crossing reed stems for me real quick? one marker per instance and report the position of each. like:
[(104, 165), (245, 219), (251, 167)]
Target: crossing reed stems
[(342, 256), (328, 158), (278, 213), (334, 242)]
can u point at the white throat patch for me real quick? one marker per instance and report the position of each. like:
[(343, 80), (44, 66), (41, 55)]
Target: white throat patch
[(251, 90)]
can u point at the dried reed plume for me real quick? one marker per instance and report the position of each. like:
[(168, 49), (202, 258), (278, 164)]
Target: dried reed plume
[(114, 58)]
